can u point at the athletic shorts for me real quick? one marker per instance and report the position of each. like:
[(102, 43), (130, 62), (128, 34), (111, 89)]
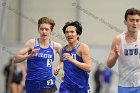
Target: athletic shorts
[(128, 89), (67, 88), (39, 87)]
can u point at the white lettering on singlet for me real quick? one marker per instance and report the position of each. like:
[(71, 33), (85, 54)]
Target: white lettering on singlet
[(44, 55), (130, 52)]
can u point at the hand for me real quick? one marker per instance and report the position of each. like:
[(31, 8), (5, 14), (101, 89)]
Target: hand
[(34, 52), (117, 50), (68, 56), (23, 83), (56, 70)]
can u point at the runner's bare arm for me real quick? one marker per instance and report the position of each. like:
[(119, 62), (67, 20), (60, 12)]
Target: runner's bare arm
[(23, 53), (114, 52)]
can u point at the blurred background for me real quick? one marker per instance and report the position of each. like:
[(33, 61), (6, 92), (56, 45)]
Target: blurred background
[(101, 21)]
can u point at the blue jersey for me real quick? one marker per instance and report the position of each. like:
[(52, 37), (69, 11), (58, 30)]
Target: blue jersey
[(73, 74), (39, 67)]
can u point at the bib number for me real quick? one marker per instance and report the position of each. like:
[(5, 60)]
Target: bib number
[(50, 82), (89, 91)]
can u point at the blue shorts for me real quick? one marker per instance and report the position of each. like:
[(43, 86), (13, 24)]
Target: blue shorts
[(38, 86), (67, 88), (128, 89)]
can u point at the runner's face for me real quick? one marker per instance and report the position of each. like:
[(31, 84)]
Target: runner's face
[(44, 31), (71, 35), (133, 23)]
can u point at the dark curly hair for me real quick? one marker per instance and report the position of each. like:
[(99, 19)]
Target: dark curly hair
[(75, 24)]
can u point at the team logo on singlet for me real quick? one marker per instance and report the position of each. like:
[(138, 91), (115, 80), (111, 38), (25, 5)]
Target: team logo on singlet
[(136, 45)]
